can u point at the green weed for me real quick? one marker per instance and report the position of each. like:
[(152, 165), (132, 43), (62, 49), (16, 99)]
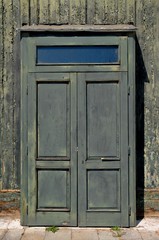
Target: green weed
[(53, 229)]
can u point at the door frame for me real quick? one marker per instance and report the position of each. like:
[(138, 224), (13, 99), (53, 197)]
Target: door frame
[(28, 60)]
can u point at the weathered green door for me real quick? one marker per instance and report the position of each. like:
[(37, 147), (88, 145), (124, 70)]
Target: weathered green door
[(52, 158), (78, 135), (102, 149)]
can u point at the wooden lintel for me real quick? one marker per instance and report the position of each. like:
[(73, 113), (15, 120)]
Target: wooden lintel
[(79, 28)]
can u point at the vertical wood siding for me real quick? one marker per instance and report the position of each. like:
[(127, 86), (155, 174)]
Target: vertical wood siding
[(144, 14), (1, 88), (8, 95)]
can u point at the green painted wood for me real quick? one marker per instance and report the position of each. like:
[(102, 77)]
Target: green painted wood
[(124, 53), (82, 205), (53, 189), (74, 144), (132, 126), (32, 147), (48, 41), (53, 119), (104, 144), (48, 164), (78, 68), (108, 198), (57, 196), (94, 207), (111, 163), (102, 158), (23, 133), (124, 150)]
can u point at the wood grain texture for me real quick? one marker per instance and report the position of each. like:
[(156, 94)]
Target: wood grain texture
[(64, 11), (55, 12), (147, 82), (122, 11), (111, 12), (9, 116), (103, 12), (24, 12), (131, 11), (8, 112), (1, 84), (86, 119), (77, 12), (34, 12), (44, 11), (16, 23)]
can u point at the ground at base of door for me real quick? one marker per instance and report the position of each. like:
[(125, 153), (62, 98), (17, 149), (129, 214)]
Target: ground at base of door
[(147, 229)]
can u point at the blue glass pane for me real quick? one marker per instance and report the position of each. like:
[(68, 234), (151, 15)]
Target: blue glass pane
[(77, 54)]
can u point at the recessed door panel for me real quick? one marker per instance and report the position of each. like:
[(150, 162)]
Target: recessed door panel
[(103, 119), (102, 195), (55, 198), (53, 119)]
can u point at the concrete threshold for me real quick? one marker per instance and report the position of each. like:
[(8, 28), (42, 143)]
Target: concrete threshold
[(147, 229)]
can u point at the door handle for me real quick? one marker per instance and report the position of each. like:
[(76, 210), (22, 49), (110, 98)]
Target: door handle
[(104, 159)]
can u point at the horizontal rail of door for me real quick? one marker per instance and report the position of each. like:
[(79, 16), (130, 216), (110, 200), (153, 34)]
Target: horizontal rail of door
[(32, 45), (64, 77), (65, 165)]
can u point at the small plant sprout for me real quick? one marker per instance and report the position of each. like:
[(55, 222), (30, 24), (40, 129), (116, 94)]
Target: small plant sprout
[(53, 229), (117, 231)]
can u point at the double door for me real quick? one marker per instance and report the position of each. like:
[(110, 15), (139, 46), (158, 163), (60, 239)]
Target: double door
[(78, 149)]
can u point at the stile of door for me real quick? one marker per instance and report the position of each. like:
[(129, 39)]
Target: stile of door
[(103, 149)]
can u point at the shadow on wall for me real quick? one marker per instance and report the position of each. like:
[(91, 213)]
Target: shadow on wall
[(141, 78)]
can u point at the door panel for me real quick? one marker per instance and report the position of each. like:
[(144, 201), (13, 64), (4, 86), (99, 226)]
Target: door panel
[(108, 198), (56, 197), (102, 117), (52, 158), (53, 119), (103, 149)]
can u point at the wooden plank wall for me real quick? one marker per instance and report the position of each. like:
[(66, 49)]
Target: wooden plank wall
[(144, 14), (77, 11)]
